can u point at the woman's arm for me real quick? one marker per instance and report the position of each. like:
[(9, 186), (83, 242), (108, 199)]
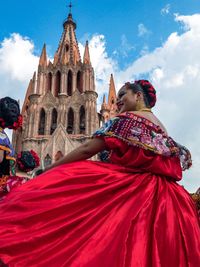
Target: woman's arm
[(85, 151)]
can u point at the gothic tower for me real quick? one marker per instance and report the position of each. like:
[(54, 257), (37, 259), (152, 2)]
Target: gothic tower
[(108, 110), (59, 109)]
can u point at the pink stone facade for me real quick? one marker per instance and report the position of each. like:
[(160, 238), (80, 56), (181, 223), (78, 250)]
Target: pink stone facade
[(60, 106)]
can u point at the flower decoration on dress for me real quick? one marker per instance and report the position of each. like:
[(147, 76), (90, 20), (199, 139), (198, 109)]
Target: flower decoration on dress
[(106, 126), (27, 160), (141, 132)]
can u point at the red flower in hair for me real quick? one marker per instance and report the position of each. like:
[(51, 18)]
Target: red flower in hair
[(151, 89), (17, 124), (37, 159), (20, 164)]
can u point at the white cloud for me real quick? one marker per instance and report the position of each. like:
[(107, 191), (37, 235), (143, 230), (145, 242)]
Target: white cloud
[(145, 50), (165, 10), (125, 47), (190, 23), (143, 31), (17, 64)]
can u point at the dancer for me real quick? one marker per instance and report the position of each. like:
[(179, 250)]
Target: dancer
[(26, 162), (126, 213), (9, 118)]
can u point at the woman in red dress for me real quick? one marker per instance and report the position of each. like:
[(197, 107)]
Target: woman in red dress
[(127, 212)]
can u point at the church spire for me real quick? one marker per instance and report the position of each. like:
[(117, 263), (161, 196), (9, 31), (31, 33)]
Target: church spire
[(43, 57), (68, 51), (112, 92), (104, 104), (30, 91), (86, 57), (69, 21)]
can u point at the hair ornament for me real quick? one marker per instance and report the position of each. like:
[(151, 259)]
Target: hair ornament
[(27, 160)]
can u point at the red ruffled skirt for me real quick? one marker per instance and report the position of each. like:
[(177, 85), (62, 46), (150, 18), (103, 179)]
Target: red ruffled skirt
[(93, 214)]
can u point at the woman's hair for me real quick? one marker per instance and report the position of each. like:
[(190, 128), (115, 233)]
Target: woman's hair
[(10, 113), (27, 161), (146, 88)]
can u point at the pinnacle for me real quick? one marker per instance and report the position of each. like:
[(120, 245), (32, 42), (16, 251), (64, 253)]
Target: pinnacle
[(86, 57), (43, 57)]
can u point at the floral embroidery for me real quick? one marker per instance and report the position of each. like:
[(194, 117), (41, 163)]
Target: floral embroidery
[(106, 126), (139, 131), (7, 183)]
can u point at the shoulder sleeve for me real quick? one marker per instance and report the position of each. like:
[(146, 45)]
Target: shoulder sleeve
[(138, 132), (107, 128), (185, 157)]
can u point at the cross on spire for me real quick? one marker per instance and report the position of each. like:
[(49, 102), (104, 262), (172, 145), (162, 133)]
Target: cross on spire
[(70, 7)]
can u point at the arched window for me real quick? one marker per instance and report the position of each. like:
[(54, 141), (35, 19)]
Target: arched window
[(54, 120), (42, 121), (70, 121), (82, 120), (79, 81), (47, 160), (58, 83), (69, 83), (49, 82), (66, 47)]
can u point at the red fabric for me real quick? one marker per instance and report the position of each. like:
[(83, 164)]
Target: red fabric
[(127, 213)]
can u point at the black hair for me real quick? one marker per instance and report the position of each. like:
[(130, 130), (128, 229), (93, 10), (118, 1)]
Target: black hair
[(26, 161), (144, 86), (9, 111)]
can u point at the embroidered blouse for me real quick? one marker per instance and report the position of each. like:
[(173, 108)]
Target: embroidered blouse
[(141, 132)]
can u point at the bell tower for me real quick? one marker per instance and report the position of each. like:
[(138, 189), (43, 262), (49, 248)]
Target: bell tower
[(59, 109), (109, 109)]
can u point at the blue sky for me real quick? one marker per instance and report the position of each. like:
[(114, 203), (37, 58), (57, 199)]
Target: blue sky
[(118, 21), (158, 40)]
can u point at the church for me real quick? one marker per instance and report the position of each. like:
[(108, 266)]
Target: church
[(60, 107)]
